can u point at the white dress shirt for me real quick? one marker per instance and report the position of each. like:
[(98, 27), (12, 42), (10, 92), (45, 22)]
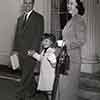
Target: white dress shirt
[(28, 14)]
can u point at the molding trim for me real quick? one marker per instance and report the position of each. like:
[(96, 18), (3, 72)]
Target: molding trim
[(4, 58)]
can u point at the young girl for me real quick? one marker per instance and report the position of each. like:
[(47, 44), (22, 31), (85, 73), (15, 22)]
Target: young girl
[(47, 60)]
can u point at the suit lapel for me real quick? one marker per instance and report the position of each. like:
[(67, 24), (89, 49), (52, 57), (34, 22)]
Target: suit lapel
[(21, 20), (28, 20)]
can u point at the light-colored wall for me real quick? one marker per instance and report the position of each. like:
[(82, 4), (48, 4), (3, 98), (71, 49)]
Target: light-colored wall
[(8, 14), (9, 11)]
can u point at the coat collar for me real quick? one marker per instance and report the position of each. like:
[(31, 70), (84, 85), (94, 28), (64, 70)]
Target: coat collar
[(50, 50)]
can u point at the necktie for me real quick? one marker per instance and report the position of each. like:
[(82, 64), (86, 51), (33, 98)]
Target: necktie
[(25, 20)]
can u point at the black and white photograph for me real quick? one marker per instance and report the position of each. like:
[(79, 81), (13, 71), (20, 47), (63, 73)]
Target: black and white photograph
[(49, 50)]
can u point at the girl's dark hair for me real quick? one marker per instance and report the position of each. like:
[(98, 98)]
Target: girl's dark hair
[(49, 36)]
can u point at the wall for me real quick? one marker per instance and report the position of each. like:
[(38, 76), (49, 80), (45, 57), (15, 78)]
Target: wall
[(9, 11), (8, 14)]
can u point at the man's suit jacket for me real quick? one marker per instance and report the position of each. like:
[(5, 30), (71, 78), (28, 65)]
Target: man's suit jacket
[(28, 37)]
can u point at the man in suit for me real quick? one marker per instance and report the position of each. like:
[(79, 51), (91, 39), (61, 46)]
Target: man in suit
[(28, 33)]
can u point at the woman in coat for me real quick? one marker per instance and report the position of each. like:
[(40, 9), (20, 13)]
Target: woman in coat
[(74, 34)]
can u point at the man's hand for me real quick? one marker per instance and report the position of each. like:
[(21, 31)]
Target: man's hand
[(14, 52), (31, 52)]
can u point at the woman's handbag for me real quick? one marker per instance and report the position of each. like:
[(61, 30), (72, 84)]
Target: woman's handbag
[(63, 61)]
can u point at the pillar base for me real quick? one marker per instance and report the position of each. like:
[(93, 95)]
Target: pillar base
[(90, 65)]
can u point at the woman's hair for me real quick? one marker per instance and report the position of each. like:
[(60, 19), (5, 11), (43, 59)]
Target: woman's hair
[(80, 7), (49, 36)]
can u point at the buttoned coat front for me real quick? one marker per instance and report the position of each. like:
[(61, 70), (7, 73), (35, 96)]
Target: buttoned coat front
[(74, 33), (47, 70)]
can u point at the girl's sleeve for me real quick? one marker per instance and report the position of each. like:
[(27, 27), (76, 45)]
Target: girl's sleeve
[(52, 59), (36, 56)]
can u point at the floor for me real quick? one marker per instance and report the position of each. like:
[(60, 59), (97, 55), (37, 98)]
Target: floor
[(89, 85), (7, 73), (8, 82)]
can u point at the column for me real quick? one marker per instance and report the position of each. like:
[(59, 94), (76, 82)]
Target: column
[(44, 8), (89, 59), (55, 18)]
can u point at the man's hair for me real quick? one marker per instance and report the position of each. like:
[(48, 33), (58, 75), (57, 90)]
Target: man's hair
[(32, 1)]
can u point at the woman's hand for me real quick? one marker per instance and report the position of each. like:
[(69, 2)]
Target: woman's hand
[(60, 43)]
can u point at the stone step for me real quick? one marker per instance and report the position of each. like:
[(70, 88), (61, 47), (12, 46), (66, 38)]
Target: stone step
[(8, 73), (90, 86), (10, 78), (89, 82), (81, 98), (92, 76), (89, 94)]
